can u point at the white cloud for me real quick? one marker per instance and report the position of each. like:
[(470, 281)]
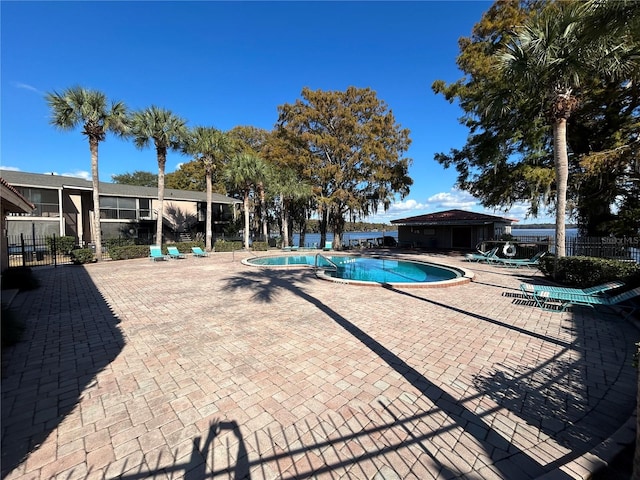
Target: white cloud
[(26, 86), (76, 174), (453, 199)]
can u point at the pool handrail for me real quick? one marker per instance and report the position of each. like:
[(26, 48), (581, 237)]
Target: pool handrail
[(315, 263)]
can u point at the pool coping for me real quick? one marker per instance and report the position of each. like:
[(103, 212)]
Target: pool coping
[(466, 275)]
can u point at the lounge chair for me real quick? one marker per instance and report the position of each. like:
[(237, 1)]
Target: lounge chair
[(559, 301), (175, 253), (482, 256), (328, 246), (155, 253), (198, 252), (518, 262), (529, 289)]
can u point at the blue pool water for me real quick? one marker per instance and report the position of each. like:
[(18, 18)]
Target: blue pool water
[(366, 269)]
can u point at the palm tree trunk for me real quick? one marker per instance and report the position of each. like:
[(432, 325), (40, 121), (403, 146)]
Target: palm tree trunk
[(97, 232), (246, 219), (561, 161), (208, 225), (162, 160), (263, 212)]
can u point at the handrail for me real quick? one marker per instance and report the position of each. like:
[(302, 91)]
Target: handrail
[(315, 263)]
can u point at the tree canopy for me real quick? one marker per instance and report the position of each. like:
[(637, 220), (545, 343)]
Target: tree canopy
[(354, 152), (138, 177), (508, 156)]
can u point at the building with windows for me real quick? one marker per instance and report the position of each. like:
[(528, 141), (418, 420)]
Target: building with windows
[(64, 206), (451, 229)]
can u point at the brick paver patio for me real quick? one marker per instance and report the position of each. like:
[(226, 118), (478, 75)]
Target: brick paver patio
[(205, 368)]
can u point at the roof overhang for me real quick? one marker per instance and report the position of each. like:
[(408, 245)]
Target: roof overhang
[(12, 200)]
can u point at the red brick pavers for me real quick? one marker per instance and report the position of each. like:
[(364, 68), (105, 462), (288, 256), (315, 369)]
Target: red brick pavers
[(207, 368)]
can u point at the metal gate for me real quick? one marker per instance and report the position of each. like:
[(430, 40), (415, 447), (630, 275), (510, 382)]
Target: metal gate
[(35, 251)]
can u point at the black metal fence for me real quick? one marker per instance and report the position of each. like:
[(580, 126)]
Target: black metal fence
[(24, 251), (617, 248)]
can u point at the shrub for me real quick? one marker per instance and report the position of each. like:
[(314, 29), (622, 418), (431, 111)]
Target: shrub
[(128, 251), (118, 242), (64, 245), (82, 255), (584, 272), (21, 278), (260, 246), (225, 246)]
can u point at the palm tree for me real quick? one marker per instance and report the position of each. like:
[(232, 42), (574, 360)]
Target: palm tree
[(168, 132), (290, 188), (211, 147), (244, 172), (550, 59), (80, 106)]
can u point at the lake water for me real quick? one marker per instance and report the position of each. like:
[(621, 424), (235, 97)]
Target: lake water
[(312, 239)]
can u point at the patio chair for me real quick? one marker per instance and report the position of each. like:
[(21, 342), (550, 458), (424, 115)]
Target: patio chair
[(559, 301), (529, 289), (518, 262), (155, 253), (328, 246), (198, 252), (482, 256), (175, 253)]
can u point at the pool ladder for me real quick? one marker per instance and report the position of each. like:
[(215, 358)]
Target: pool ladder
[(333, 267)]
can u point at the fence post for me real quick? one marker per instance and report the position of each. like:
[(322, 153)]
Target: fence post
[(24, 259), (54, 251)]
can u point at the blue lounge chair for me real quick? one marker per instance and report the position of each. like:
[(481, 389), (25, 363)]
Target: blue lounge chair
[(559, 301), (518, 262), (198, 252), (529, 289), (328, 246), (175, 253), (155, 253), (482, 256)]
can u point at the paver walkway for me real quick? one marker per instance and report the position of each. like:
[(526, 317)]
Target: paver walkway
[(207, 368)]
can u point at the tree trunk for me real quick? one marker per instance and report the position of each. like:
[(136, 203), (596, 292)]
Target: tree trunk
[(263, 212), (208, 224), (246, 219), (162, 160), (561, 161), (97, 232), (285, 222), (323, 226)]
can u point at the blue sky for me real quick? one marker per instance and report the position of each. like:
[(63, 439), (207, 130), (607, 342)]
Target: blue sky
[(224, 64)]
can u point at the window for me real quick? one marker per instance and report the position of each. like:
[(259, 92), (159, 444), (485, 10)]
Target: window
[(46, 201), (145, 208), (121, 208)]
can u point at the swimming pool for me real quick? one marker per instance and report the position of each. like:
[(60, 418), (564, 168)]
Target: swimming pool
[(368, 270)]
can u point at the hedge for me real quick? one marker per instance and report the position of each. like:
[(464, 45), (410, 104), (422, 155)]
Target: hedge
[(584, 272), (129, 251), (227, 246), (82, 255), (126, 252)]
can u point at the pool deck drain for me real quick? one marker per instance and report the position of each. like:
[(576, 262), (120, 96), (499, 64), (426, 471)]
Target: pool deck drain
[(207, 368)]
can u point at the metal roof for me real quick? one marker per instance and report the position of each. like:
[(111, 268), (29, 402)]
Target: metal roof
[(453, 217), (40, 180)]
